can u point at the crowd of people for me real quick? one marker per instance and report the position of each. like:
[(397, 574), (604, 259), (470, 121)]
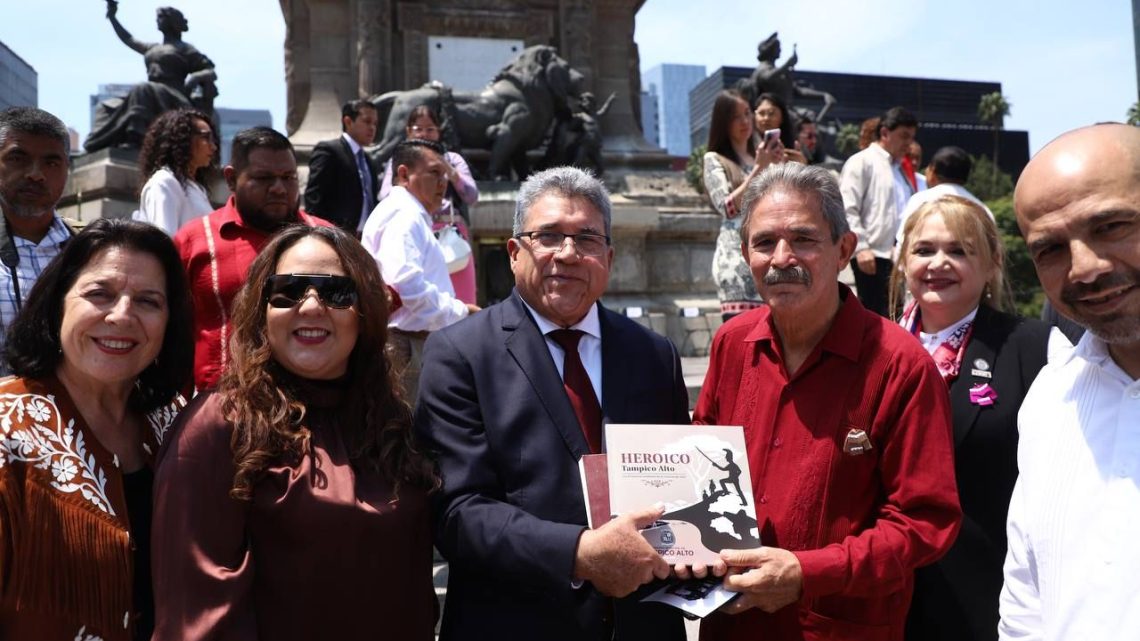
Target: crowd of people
[(255, 421)]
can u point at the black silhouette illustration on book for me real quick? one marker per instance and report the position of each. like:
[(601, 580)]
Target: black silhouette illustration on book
[(732, 479)]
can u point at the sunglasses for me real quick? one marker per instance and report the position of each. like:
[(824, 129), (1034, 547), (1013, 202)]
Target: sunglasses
[(287, 290)]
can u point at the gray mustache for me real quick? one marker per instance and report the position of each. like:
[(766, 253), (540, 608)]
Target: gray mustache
[(795, 274)]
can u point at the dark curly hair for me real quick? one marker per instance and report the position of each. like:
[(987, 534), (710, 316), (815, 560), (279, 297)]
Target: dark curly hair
[(167, 144), (34, 347), (267, 417)]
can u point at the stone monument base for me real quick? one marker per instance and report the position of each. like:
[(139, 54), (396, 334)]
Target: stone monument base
[(103, 184)]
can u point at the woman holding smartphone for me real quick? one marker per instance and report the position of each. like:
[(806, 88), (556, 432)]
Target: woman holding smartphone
[(732, 160), (774, 126)]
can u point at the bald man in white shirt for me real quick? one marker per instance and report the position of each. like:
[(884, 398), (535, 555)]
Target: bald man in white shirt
[(1074, 518)]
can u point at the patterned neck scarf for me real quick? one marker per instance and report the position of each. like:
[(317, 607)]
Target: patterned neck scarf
[(948, 355)]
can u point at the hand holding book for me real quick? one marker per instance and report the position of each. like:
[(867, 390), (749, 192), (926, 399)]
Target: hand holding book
[(770, 578), (616, 558)]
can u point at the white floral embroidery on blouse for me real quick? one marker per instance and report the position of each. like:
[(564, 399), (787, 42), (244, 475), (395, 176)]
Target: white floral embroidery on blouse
[(48, 444), (83, 636)]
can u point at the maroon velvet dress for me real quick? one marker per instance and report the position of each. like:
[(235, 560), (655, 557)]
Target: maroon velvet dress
[(322, 551)]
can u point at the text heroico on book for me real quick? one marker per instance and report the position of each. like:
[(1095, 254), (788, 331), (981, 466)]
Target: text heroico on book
[(698, 472)]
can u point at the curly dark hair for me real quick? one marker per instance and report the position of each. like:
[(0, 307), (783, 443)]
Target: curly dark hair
[(34, 347), (167, 144), (376, 421)]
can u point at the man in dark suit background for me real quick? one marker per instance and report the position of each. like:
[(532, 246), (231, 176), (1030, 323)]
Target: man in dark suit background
[(342, 179), (509, 411)]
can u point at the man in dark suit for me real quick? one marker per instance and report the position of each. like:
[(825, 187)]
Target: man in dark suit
[(510, 399), (342, 183)]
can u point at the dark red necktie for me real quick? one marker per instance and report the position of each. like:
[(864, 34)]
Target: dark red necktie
[(578, 387)]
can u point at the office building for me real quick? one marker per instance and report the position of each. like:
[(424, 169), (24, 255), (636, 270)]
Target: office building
[(19, 82), (947, 110), (231, 121), (669, 85)]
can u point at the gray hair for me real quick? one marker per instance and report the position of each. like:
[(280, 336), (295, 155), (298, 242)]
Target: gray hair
[(804, 179), (568, 182), (34, 122)]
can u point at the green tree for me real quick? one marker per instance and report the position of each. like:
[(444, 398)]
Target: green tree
[(695, 169), (992, 110), (847, 140), (987, 182), (1028, 297), (1134, 114)]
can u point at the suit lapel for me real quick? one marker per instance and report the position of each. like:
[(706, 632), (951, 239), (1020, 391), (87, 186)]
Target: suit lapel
[(528, 349), (616, 369), (980, 349)]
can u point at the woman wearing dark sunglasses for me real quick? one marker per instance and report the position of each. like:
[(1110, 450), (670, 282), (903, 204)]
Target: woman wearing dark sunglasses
[(291, 503)]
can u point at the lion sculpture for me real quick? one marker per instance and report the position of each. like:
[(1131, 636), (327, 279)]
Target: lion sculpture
[(509, 117)]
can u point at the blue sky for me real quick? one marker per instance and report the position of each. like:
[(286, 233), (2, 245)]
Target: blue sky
[(1061, 64)]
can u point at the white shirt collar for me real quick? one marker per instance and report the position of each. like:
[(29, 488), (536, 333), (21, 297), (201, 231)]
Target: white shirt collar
[(883, 151), (1094, 351), (932, 341), (590, 323), (400, 191), (352, 144)]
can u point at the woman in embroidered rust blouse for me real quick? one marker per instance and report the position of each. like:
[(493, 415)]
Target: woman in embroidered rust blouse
[(951, 262), (291, 503), (100, 350)]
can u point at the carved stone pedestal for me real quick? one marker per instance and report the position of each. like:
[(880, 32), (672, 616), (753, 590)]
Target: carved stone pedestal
[(103, 184)]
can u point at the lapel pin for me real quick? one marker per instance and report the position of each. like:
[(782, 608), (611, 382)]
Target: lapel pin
[(857, 443), (983, 395), (981, 369)]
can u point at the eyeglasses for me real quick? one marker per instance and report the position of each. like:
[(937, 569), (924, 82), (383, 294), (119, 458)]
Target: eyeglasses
[(288, 290), (204, 135), (425, 130), (552, 242)]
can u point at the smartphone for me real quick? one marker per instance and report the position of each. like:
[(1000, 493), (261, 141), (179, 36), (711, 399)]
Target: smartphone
[(771, 136)]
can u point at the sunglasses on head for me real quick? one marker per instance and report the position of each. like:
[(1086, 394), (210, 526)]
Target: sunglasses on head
[(287, 290)]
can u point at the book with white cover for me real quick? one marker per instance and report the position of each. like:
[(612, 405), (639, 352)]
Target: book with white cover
[(699, 472)]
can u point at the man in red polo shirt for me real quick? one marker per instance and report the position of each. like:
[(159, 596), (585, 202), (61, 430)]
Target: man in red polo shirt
[(848, 429), (218, 249)]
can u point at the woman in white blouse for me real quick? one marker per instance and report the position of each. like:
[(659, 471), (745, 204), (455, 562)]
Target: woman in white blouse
[(178, 153)]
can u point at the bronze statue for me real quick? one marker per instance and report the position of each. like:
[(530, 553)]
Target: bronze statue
[(768, 78), (578, 140), (510, 116), (178, 75)]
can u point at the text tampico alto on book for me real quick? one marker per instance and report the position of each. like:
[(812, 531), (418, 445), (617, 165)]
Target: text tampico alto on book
[(699, 472)]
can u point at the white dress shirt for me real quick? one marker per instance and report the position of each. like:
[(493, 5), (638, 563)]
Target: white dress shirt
[(398, 235), (589, 346), (1073, 564), (868, 186), (167, 204)]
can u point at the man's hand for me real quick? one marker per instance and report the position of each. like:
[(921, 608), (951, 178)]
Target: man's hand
[(686, 572), (616, 558), (770, 578), (866, 262), (471, 309)]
